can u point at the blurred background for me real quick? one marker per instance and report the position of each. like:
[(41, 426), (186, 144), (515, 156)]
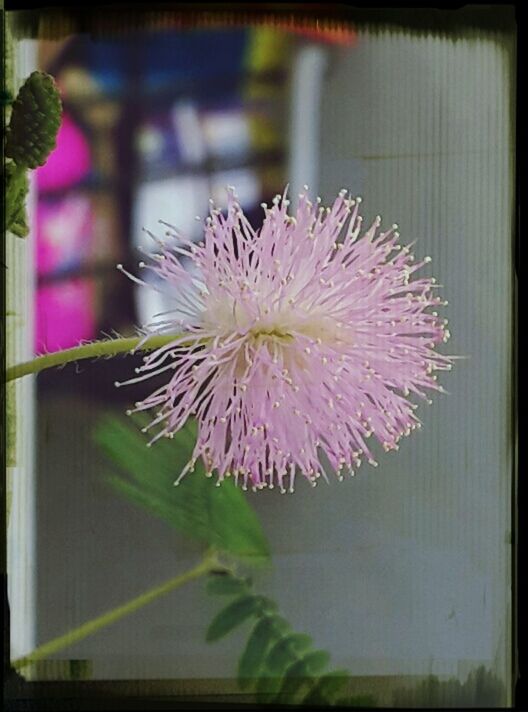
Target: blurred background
[(400, 573)]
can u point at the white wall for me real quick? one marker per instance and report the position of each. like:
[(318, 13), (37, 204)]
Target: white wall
[(410, 563)]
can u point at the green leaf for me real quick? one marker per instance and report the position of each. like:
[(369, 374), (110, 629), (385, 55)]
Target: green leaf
[(292, 684), (268, 687), (234, 615), (286, 651), (301, 674), (316, 661), (297, 676), (16, 189), (135, 493), (280, 656), (220, 517), (264, 634), (234, 526), (327, 687), (152, 475), (227, 585)]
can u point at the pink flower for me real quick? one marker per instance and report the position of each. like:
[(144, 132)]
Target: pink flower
[(295, 341)]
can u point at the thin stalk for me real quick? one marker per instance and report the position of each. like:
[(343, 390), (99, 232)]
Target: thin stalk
[(208, 564), (95, 349)]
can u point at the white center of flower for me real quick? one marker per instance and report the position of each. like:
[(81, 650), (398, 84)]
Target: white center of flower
[(277, 326)]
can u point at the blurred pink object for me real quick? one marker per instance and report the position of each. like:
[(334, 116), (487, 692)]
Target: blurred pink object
[(65, 315), (64, 232), (69, 162), (65, 309)]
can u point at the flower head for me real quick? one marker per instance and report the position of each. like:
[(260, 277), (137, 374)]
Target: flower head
[(306, 336)]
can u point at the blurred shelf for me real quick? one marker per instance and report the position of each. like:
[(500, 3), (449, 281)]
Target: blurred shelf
[(95, 270), (98, 184), (92, 184), (212, 165), (209, 87)]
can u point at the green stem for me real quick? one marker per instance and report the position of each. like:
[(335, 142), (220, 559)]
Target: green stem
[(107, 347), (208, 564), (16, 189)]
